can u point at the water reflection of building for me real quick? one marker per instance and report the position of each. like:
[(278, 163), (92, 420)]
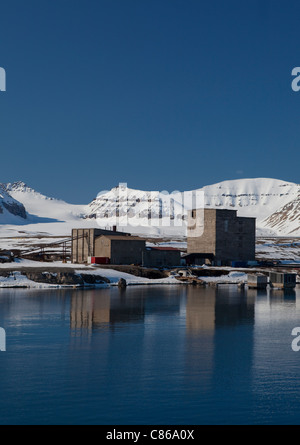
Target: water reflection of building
[(215, 348), (211, 307), (282, 296), (200, 309), (200, 332), (257, 293), (234, 341), (234, 307), (91, 309), (86, 309)]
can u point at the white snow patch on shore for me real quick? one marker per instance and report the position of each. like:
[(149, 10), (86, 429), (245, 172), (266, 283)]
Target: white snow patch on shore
[(111, 274), (233, 277)]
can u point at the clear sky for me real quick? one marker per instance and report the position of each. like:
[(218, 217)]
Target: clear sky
[(161, 94)]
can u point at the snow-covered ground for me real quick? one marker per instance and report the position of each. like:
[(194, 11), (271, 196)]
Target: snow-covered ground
[(16, 279), (233, 277)]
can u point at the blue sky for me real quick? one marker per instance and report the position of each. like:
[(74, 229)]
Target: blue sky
[(161, 94)]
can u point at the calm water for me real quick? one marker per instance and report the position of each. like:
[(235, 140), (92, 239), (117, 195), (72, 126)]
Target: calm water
[(149, 355)]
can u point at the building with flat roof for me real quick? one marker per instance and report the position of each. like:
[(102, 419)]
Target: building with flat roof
[(100, 246), (282, 279), (161, 257), (120, 249), (84, 243), (221, 234)]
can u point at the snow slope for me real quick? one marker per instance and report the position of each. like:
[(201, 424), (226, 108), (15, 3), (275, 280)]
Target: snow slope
[(17, 279), (44, 215), (42, 206), (286, 219)]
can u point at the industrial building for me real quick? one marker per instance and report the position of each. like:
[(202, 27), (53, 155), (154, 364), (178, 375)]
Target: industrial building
[(100, 246), (120, 249), (161, 257), (282, 280), (84, 243), (220, 235), (257, 281)]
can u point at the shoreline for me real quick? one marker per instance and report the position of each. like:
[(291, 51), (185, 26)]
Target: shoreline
[(24, 274)]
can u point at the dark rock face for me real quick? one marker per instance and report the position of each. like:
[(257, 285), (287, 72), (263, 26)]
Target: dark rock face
[(15, 208), (54, 278), (122, 283), (94, 279), (4, 273), (65, 278), (10, 204)]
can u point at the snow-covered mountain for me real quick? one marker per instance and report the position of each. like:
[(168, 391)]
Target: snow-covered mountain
[(11, 211), (34, 213), (286, 219), (38, 205), (261, 198), (274, 203)]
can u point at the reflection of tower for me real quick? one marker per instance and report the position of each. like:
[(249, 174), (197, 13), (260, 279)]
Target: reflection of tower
[(200, 331), (233, 307), (200, 309), (233, 342)]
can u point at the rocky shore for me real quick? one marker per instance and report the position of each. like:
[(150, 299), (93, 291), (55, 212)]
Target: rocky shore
[(49, 275)]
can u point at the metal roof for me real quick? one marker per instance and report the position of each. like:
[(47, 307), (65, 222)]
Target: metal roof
[(163, 248), (122, 238)]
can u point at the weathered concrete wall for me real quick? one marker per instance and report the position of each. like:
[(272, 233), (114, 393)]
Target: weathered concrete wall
[(127, 251), (83, 242), (235, 237), (82, 245), (102, 247), (161, 258), (227, 236), (206, 242)]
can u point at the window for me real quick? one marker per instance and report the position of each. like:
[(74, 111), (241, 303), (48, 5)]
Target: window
[(226, 225)]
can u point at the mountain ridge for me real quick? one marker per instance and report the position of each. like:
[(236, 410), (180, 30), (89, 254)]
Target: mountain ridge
[(274, 203)]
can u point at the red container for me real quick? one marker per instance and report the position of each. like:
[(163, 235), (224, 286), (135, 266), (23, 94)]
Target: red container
[(99, 260)]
